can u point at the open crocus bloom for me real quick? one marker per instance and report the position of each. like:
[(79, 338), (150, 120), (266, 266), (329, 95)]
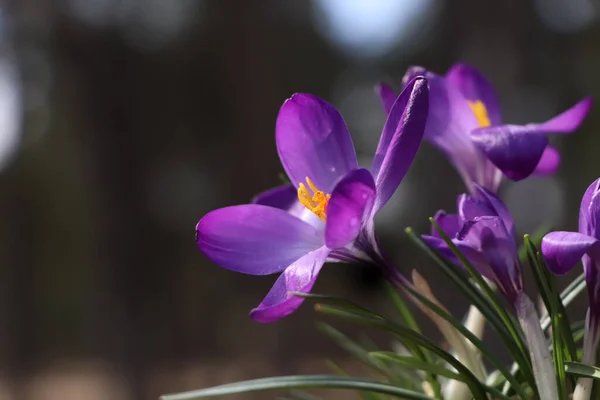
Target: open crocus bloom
[(484, 232), (327, 214), (465, 123), (563, 250)]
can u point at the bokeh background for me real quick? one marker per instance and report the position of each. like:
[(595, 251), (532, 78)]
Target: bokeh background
[(122, 122)]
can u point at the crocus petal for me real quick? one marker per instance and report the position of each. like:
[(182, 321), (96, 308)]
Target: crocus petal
[(567, 121), (351, 201), (475, 87), (515, 150), (549, 162), (563, 250), (387, 96), (255, 239), (472, 254), (313, 141), (589, 210), (400, 140), (450, 224), (498, 207), (283, 197), (449, 122), (298, 277), (500, 253), (470, 207)]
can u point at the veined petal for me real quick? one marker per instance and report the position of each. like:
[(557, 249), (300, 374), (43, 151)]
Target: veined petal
[(563, 250), (589, 211), (387, 96), (549, 162), (450, 224), (475, 87), (400, 140), (255, 239), (313, 141), (298, 277), (283, 197), (351, 202), (515, 150), (470, 207), (567, 121)]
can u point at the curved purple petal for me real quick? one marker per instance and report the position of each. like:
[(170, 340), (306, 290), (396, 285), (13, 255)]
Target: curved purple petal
[(255, 239), (283, 197), (475, 87), (515, 150), (500, 252), (470, 207), (351, 201), (549, 162), (400, 140), (313, 141), (298, 277), (450, 224), (589, 211), (498, 207), (472, 254), (567, 121), (387, 96), (449, 122), (563, 250)]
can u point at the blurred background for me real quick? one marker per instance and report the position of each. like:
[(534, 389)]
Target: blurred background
[(122, 122)]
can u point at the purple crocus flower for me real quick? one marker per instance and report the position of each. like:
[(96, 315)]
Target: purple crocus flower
[(327, 215), (465, 123), (484, 231), (563, 250)]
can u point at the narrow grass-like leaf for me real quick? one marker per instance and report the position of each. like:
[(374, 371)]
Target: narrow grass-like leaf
[(337, 301), (477, 343), (299, 382), (409, 336), (413, 362), (546, 286), (403, 309), (582, 370), (520, 353), (340, 371)]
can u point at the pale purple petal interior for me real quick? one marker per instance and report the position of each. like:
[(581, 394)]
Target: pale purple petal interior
[(283, 197), (475, 87)]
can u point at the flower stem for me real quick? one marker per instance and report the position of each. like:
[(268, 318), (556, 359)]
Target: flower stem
[(538, 348), (583, 389)]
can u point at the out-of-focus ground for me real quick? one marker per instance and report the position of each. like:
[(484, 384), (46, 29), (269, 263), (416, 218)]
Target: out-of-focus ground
[(122, 122)]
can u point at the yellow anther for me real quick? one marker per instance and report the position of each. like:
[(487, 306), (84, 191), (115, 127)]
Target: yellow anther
[(480, 112), (315, 202)]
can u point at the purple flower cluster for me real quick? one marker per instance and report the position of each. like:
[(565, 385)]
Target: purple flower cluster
[(326, 213)]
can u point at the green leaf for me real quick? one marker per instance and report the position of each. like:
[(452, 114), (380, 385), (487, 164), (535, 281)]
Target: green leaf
[(550, 297), (514, 342), (582, 370), (409, 336), (413, 362), (478, 343), (340, 371), (403, 309), (299, 382)]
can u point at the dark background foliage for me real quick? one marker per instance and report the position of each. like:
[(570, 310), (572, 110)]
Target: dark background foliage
[(122, 122)]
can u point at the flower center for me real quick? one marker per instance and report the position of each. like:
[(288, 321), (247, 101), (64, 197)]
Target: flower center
[(315, 202), (480, 112)]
